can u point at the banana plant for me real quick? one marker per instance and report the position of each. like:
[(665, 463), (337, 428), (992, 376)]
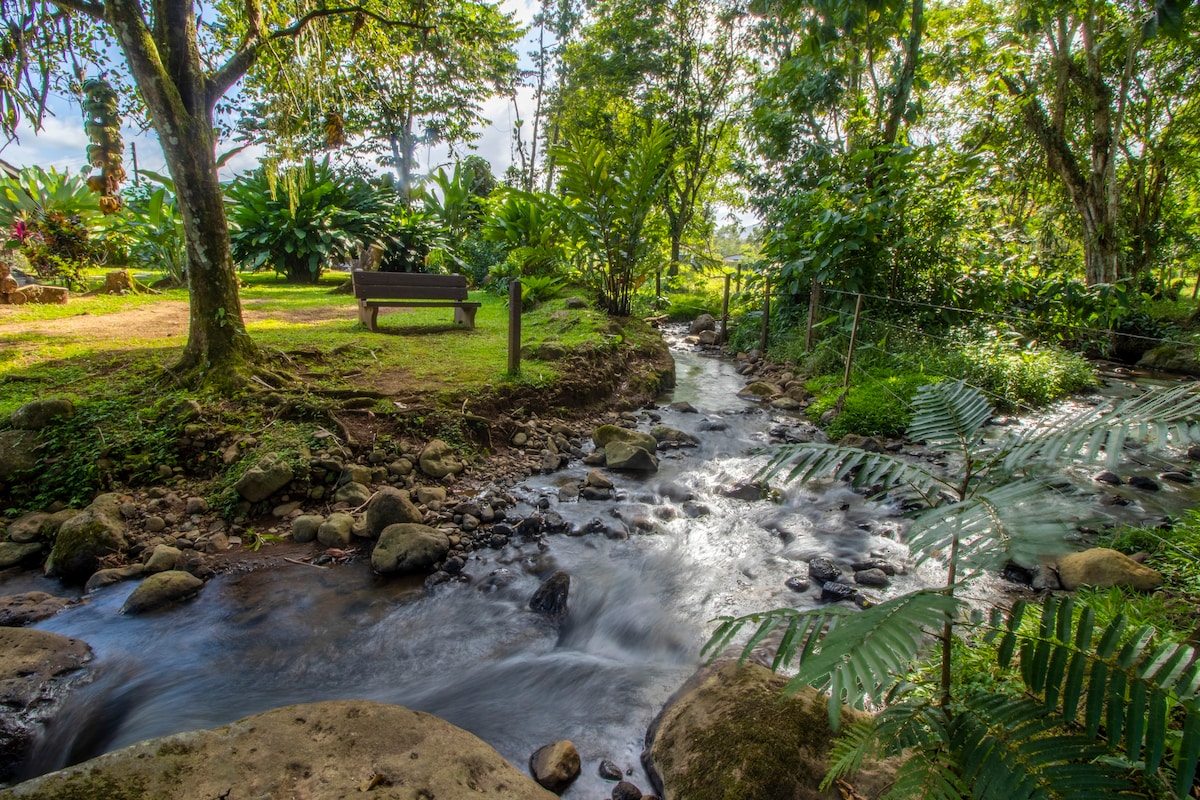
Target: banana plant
[(991, 505)]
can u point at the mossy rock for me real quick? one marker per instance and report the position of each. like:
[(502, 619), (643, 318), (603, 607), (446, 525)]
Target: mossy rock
[(86, 538), (731, 734), (607, 434)]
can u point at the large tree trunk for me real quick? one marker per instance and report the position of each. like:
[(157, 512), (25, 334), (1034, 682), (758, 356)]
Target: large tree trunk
[(166, 65)]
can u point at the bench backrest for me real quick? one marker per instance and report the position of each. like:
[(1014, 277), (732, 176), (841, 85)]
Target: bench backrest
[(408, 286)]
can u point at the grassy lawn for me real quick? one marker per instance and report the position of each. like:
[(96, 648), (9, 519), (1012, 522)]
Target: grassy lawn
[(94, 345)]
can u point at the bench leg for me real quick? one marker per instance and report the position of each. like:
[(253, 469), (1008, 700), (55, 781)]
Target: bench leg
[(367, 314), (464, 316)]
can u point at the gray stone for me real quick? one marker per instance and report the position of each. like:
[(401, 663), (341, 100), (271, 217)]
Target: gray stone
[(1102, 567), (409, 547), (86, 538), (430, 494), (1109, 477), (355, 473), (704, 322), (624, 456), (823, 569), (868, 443), (18, 452), (29, 607), (872, 577), (391, 506), (155, 523), (163, 558), (305, 527), (555, 766), (108, 577), (747, 490), (336, 530), (672, 437), (1144, 483), (264, 479), (597, 480), (607, 434), (321, 750), (797, 584), (161, 590), (353, 494), (14, 553), (438, 460), (40, 413), (760, 390), (683, 407), (626, 791), (1170, 358), (1175, 476), (786, 404), (28, 527), (550, 599), (1046, 579), (196, 505), (37, 669)]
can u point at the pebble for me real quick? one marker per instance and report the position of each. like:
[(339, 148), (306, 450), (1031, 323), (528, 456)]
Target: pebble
[(823, 570), (871, 577), (609, 771), (1144, 483), (797, 584)]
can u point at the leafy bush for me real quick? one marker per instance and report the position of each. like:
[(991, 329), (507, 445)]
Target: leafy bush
[(306, 219), (1018, 375), (49, 216), (877, 405), (530, 228)]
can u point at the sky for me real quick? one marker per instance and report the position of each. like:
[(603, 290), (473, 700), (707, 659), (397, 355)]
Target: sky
[(62, 143)]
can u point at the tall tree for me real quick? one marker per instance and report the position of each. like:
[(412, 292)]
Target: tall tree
[(181, 73), (1105, 98)]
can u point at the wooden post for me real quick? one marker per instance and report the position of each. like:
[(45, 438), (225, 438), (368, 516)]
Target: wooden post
[(514, 327), (725, 312), (762, 339), (814, 303), (853, 336)]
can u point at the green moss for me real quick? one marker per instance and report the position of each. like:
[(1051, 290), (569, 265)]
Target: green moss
[(768, 747), (93, 785)]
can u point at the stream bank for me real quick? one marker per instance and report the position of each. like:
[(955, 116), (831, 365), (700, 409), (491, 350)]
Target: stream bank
[(651, 561)]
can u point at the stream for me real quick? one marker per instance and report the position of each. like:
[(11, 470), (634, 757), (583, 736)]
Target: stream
[(471, 652)]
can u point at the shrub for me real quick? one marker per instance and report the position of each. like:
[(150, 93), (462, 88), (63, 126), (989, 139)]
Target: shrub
[(879, 405)]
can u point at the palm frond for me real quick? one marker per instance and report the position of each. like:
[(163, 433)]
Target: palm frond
[(863, 655), (927, 776), (798, 631), (912, 723), (1019, 522), (1125, 685), (1159, 417), (949, 415), (1008, 748), (814, 461)]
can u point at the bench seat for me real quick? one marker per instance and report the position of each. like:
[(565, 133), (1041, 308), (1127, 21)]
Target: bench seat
[(375, 290)]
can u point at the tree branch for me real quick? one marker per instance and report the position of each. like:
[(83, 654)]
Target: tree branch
[(85, 7), (240, 62)]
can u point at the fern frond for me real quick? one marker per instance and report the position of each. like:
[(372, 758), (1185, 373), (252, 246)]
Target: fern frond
[(907, 725), (1020, 522), (1133, 685), (814, 461), (862, 655), (949, 415), (799, 632), (1009, 749), (1160, 417), (927, 776)]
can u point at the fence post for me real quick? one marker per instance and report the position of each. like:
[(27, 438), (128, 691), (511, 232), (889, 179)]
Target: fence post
[(814, 302), (514, 327), (853, 336), (725, 311), (762, 339)]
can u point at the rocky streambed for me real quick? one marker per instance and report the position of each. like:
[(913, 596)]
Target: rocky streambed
[(566, 604)]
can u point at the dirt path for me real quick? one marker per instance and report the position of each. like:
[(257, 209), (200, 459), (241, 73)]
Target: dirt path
[(163, 320)]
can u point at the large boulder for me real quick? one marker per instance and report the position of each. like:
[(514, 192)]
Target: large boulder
[(731, 732), (264, 479), (22, 609), (38, 526), (336, 749), (1103, 568), (15, 553), (630, 457), (162, 589), (1170, 358), (18, 452), (702, 323), (760, 390), (605, 435), (38, 414), (36, 668), (438, 460), (409, 547), (86, 538), (390, 506)]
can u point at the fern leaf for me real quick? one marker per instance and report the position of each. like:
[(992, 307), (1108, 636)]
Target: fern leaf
[(802, 463), (1020, 522), (949, 415), (928, 776), (1009, 749), (1159, 416), (861, 656)]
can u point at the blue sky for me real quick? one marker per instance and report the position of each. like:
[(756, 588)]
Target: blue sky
[(62, 144)]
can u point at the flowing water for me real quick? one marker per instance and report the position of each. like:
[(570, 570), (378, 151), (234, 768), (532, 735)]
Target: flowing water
[(472, 653)]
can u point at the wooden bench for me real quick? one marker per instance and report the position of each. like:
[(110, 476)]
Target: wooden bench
[(375, 290)]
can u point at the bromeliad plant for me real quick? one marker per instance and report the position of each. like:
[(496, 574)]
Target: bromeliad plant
[(1099, 711)]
